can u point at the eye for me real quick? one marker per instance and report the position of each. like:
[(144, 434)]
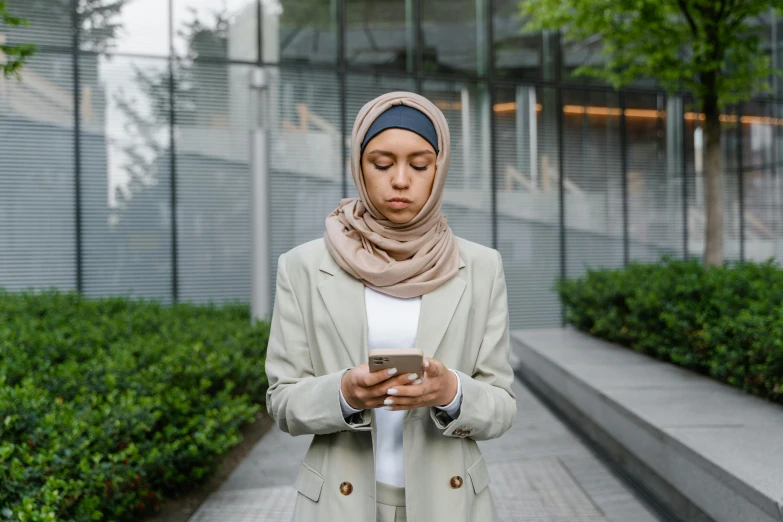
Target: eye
[(382, 167), (420, 169)]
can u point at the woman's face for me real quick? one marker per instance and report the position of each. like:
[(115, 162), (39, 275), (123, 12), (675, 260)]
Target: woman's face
[(398, 164)]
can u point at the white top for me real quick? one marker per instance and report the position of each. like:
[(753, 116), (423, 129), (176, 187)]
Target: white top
[(392, 322)]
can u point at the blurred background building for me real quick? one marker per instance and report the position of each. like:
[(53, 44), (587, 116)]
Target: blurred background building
[(125, 147)]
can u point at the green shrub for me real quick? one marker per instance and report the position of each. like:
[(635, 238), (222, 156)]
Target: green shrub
[(108, 405), (724, 322)]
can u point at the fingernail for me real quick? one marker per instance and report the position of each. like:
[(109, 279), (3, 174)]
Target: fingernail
[(391, 391), (426, 364), (418, 381), (388, 408), (391, 371), (412, 376), (388, 402)]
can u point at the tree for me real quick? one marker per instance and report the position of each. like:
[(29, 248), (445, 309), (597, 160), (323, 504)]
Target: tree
[(710, 48), (15, 55)]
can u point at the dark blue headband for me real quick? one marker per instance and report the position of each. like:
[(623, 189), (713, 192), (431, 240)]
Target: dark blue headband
[(403, 117)]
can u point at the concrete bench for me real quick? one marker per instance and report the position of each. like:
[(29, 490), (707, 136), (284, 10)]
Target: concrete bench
[(702, 448)]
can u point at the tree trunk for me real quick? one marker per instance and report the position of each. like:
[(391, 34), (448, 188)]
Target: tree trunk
[(713, 178)]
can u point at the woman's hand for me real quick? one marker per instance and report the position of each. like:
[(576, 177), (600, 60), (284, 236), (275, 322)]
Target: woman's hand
[(438, 388), (363, 389)]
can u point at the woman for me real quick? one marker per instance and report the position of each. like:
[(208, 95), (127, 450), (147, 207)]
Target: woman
[(389, 273)]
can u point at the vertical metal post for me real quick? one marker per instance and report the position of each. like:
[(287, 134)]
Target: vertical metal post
[(493, 166), (561, 184), (419, 47), (467, 142), (77, 144), (685, 253), (173, 162), (341, 67), (492, 145), (531, 122), (560, 120), (624, 181), (259, 201), (259, 32), (741, 183), (774, 46), (410, 36)]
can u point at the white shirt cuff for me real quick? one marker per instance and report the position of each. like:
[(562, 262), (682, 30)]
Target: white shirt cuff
[(347, 409), (452, 408)]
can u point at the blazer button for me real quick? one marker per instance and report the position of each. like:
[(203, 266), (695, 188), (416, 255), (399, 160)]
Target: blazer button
[(346, 488), (456, 482)]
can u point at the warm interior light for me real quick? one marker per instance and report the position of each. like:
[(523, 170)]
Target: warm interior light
[(644, 113), (510, 107)]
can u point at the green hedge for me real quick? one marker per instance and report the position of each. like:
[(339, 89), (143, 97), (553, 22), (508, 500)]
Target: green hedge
[(107, 406), (725, 322)]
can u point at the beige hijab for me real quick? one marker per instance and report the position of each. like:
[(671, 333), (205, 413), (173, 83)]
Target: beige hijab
[(398, 259)]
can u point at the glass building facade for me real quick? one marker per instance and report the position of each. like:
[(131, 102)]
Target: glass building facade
[(127, 162)]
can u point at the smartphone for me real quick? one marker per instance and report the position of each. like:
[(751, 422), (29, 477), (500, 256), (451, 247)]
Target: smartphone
[(406, 360)]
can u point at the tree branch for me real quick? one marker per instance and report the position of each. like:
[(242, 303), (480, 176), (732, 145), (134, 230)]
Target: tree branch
[(732, 6), (684, 8), (722, 9)]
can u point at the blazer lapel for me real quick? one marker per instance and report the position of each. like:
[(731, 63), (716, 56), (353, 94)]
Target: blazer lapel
[(343, 296), (437, 309)]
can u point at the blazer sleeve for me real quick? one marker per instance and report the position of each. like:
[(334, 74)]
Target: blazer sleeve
[(489, 405), (298, 401)]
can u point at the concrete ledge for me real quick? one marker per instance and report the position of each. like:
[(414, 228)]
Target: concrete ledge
[(704, 449)]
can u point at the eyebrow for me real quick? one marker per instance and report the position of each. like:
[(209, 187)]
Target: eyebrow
[(412, 154)]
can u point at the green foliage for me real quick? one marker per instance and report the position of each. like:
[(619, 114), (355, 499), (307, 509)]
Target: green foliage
[(107, 406), (12, 57), (725, 322), (709, 47)]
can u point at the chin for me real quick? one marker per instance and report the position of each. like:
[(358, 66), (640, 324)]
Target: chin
[(401, 218)]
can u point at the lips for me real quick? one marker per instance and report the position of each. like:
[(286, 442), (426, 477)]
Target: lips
[(399, 203)]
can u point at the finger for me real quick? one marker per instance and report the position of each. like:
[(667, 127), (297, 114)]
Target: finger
[(372, 378), (434, 368), (412, 390), (407, 403), (397, 381)]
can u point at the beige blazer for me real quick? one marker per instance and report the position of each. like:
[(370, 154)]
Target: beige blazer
[(319, 331)]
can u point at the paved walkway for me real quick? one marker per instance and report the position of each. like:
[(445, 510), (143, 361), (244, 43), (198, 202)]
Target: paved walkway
[(540, 473)]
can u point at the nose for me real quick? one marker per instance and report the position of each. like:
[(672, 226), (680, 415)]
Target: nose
[(400, 179)]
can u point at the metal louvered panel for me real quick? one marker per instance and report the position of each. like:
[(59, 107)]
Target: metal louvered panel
[(762, 185), (37, 180), (138, 238), (305, 175), (527, 203), (654, 180), (49, 25), (308, 30), (126, 175), (144, 28), (213, 200), (215, 30), (592, 180), (467, 196)]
